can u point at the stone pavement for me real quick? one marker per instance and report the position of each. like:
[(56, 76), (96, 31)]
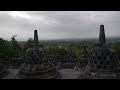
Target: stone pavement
[(66, 74)]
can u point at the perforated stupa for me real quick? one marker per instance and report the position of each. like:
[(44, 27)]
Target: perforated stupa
[(37, 65), (103, 63)]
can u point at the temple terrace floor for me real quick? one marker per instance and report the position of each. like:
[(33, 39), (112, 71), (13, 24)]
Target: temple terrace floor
[(66, 74)]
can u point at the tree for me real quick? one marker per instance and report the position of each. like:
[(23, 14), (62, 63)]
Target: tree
[(28, 44), (6, 49), (16, 46)]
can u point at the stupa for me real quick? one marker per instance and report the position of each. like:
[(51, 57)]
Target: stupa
[(103, 63), (37, 65)]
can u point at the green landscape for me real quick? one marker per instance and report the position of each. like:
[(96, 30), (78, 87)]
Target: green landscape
[(63, 48)]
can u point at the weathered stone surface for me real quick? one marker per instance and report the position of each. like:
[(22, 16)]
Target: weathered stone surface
[(36, 65), (103, 63), (65, 74), (3, 71), (102, 38)]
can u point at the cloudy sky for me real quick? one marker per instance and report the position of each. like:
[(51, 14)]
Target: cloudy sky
[(58, 24)]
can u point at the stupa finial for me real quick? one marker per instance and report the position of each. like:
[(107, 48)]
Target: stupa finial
[(36, 41), (102, 38)]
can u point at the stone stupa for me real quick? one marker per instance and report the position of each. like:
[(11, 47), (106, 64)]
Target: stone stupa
[(37, 65), (103, 63)]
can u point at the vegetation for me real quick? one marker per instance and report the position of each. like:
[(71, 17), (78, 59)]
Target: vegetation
[(27, 45), (62, 48), (115, 46), (6, 49)]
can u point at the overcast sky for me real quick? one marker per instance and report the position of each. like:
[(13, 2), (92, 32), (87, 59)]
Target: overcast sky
[(58, 24)]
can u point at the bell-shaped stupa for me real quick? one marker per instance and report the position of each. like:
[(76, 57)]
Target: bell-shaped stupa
[(103, 63), (37, 65)]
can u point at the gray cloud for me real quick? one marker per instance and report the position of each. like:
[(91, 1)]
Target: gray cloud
[(58, 24)]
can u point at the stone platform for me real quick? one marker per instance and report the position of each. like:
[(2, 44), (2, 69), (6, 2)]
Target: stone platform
[(66, 74)]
